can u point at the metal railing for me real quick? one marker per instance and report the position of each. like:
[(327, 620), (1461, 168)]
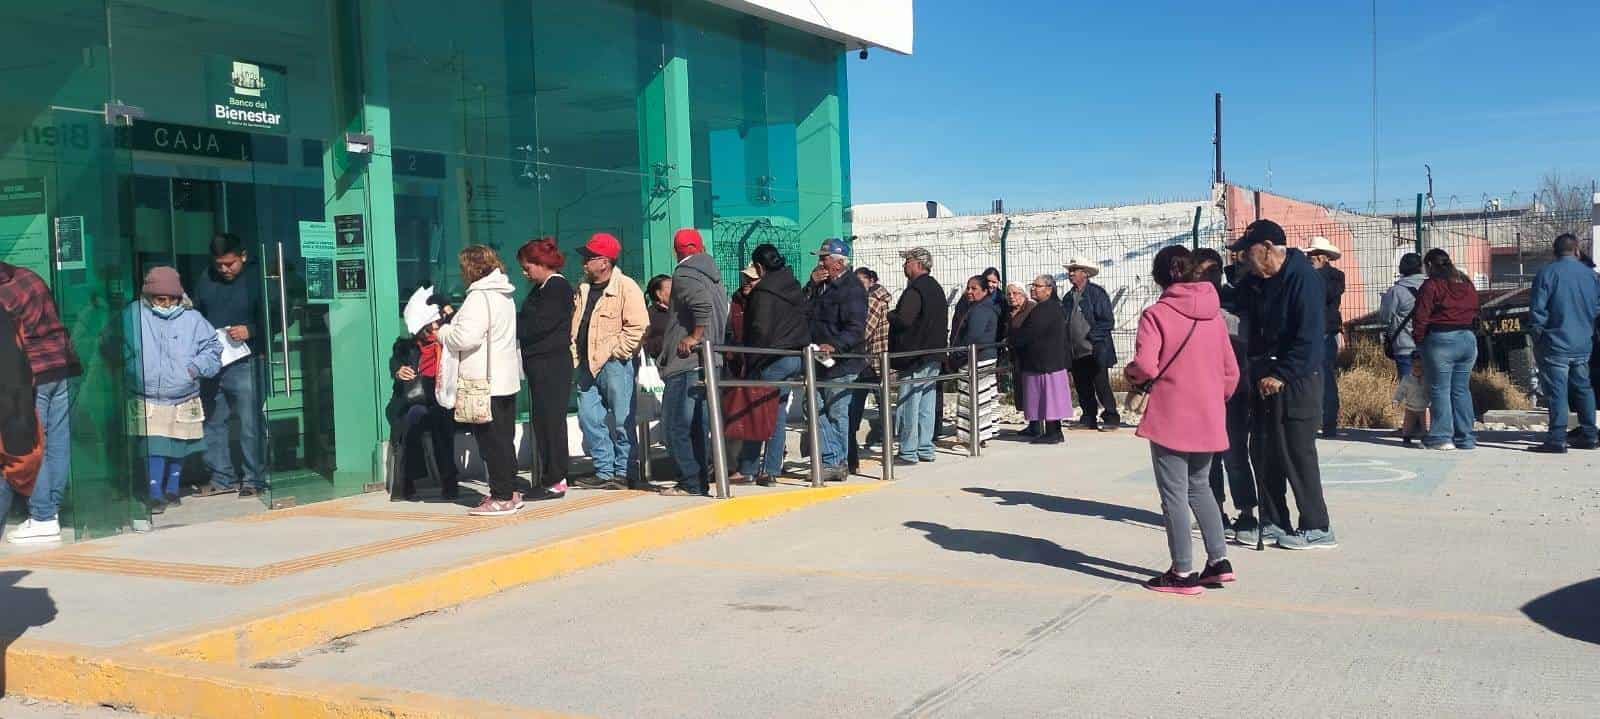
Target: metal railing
[(808, 382)]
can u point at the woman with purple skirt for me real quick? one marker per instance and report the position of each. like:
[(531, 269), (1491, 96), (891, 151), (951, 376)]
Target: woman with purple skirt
[(1040, 347)]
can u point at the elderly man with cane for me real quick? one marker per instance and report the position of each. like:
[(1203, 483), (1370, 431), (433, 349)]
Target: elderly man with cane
[(1282, 306)]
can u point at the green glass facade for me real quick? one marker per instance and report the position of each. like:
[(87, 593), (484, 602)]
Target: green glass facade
[(493, 121)]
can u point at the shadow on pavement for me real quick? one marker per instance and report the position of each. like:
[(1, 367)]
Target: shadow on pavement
[(1070, 505), (1496, 439), (1018, 548), (1569, 611), (21, 608)]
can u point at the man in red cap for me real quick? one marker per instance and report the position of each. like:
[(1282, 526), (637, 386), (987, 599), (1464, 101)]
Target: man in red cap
[(605, 341), (699, 312)]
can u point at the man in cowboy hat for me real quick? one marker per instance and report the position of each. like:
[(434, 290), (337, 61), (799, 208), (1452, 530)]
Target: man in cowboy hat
[(1322, 254), (1089, 347)]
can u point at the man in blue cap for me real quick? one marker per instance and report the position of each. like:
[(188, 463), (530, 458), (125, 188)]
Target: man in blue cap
[(838, 324)]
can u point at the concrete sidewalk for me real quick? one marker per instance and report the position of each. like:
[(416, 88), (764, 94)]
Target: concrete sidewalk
[(1008, 586)]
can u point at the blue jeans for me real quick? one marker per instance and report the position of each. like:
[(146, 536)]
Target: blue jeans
[(913, 413), (1330, 383), (605, 416), (1447, 360), (833, 420), (1402, 366), (235, 390), (1559, 376), (683, 416), (53, 402), (163, 473), (769, 455)]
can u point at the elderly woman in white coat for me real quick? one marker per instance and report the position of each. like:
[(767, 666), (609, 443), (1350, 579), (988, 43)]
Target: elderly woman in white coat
[(481, 374)]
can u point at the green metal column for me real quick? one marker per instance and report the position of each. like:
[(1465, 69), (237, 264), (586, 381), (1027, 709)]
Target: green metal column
[(666, 159), (361, 328), (820, 162)]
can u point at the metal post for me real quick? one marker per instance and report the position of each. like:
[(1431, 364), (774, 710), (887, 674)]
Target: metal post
[(1216, 172), (886, 409), (1418, 229), (1194, 232), (1004, 233), (975, 440), (719, 445), (809, 357)]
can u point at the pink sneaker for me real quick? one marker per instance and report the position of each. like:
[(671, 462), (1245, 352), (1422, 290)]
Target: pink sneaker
[(491, 507), (559, 487)]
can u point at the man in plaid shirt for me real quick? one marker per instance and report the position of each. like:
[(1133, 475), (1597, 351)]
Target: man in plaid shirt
[(26, 298), (877, 336)]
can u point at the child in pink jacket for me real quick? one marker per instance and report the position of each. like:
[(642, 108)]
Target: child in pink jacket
[(1183, 347)]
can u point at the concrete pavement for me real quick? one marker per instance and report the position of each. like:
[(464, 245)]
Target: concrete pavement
[(1008, 586)]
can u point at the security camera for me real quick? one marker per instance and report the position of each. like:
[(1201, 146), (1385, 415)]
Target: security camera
[(357, 143), (863, 54)]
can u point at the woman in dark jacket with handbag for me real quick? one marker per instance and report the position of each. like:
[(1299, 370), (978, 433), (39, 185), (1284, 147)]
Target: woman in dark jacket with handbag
[(776, 317), (418, 427), (1040, 346), (544, 332)]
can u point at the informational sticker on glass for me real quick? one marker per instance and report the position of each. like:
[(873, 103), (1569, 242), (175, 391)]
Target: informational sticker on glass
[(352, 278), (25, 225), (69, 243), (316, 248), (352, 234), (247, 94)]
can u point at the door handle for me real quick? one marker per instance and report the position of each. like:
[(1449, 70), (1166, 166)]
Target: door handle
[(283, 317)]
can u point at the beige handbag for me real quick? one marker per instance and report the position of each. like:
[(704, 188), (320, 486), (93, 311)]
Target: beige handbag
[(472, 395)]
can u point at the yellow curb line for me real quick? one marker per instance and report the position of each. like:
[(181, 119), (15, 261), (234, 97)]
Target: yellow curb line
[(171, 687), (286, 630)]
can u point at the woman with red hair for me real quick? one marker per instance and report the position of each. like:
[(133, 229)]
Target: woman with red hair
[(544, 329)]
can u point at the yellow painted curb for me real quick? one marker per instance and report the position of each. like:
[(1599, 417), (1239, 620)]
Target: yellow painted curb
[(306, 624), (169, 687)]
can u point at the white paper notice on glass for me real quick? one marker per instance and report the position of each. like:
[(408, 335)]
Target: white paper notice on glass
[(231, 351)]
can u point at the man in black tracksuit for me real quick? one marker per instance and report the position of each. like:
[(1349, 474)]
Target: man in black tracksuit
[(1282, 305)]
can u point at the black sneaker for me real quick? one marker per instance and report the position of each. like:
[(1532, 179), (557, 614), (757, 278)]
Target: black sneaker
[(1582, 444), (1215, 574), (247, 491), (1547, 448), (1171, 583), (899, 462)]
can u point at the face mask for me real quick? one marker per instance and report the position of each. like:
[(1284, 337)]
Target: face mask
[(166, 312)]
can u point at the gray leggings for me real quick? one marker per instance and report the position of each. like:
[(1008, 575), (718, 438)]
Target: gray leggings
[(1184, 480)]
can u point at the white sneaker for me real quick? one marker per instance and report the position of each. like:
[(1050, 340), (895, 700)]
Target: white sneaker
[(35, 532)]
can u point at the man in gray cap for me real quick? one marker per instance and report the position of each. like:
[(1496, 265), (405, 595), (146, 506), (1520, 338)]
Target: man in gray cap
[(917, 322)]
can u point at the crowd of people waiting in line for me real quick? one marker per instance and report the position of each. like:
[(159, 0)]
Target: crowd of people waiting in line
[(1235, 362)]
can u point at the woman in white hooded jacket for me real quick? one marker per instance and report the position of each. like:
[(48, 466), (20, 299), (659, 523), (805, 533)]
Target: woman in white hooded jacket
[(480, 345)]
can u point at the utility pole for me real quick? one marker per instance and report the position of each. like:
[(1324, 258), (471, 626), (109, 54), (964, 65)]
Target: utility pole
[(1216, 141)]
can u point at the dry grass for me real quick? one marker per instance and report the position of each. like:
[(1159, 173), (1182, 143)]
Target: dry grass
[(1366, 399), (1365, 353), (1493, 389)]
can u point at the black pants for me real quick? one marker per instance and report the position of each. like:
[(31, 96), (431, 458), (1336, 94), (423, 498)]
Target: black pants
[(1241, 481), (549, 389), (424, 434), (497, 441), (1092, 383), (1283, 445)]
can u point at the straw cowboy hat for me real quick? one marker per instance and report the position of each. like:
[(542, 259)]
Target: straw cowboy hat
[(1321, 244), (1081, 263)]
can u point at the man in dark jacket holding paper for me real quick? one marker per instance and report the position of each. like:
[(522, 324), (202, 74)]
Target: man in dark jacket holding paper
[(1283, 306), (229, 295), (838, 324)]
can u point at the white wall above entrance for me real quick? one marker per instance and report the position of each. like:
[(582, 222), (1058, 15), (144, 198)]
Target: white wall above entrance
[(856, 23)]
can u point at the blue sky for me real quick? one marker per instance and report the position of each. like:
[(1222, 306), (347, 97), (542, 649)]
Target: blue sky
[(1050, 103)]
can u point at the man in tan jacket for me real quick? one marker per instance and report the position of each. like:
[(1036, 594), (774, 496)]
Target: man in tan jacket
[(606, 330)]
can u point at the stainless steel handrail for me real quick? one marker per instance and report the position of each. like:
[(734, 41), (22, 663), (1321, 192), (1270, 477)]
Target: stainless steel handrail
[(885, 386)]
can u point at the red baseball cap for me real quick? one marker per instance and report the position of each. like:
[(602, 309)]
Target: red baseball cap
[(602, 244), (687, 241)]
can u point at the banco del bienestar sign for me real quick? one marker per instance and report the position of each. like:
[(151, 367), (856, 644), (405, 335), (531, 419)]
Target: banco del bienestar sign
[(247, 94)]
